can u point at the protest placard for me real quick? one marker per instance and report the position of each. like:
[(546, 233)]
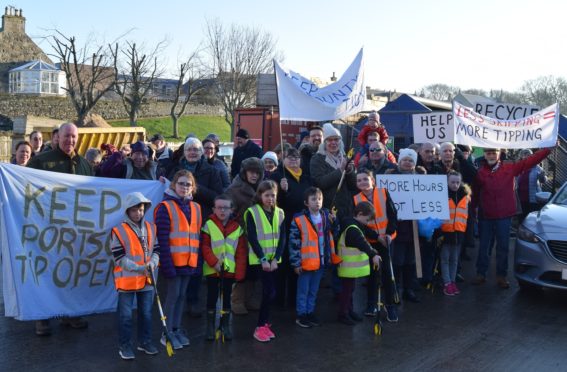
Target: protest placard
[(417, 196), (55, 236), (435, 127), (533, 131)]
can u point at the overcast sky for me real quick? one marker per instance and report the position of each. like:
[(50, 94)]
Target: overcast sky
[(486, 44)]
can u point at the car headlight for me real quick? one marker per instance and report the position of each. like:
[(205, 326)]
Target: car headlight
[(527, 235)]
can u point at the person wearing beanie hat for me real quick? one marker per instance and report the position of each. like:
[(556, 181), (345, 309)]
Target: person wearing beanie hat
[(404, 156), (270, 160), (244, 149), (326, 169), (138, 166)]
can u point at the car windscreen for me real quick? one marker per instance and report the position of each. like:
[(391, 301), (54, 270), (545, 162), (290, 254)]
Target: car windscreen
[(561, 197)]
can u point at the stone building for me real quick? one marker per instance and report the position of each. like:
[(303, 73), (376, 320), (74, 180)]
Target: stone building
[(16, 48)]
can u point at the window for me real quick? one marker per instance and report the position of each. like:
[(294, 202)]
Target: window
[(15, 84), (49, 82)]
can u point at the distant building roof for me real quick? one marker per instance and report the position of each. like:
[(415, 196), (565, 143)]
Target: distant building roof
[(37, 65)]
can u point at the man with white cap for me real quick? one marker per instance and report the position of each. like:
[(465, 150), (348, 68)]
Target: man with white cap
[(327, 167)]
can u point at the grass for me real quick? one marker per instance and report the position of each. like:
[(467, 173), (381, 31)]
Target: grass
[(198, 125)]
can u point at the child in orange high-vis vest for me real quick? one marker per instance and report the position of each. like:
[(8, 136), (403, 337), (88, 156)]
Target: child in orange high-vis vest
[(311, 250), (136, 252), (453, 231)]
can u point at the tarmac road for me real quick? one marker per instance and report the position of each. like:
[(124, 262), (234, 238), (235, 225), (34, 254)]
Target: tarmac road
[(483, 329)]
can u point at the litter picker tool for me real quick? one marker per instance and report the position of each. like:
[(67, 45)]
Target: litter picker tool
[(378, 321), (219, 334), (392, 276), (168, 346)]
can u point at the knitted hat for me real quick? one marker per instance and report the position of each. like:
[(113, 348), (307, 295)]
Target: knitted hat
[(330, 131), (405, 153), (140, 147), (272, 156), (243, 133)]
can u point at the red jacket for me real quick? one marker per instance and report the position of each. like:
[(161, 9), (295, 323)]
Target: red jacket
[(494, 192), (241, 256)]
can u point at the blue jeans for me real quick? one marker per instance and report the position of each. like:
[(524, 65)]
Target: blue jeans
[(144, 300), (490, 230), (307, 288), (449, 261), (175, 300)]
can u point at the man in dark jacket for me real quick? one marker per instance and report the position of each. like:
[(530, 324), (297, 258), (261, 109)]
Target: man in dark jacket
[(244, 149), (62, 159), (309, 149), (495, 197), (426, 158)]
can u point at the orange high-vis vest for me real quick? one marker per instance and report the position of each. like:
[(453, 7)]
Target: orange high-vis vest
[(130, 280), (458, 216), (310, 255), (380, 222), (183, 235)]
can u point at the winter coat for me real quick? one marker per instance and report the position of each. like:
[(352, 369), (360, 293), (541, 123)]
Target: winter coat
[(240, 191), (292, 200), (208, 183), (306, 151), (327, 178), (241, 254), (249, 150), (493, 189), (118, 166), (221, 167), (377, 169), (529, 183), (329, 225), (456, 238), (57, 161), (163, 225)]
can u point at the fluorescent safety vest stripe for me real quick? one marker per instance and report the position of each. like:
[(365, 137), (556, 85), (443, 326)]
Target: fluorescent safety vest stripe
[(380, 223), (129, 280), (458, 216), (268, 233), (224, 248), (183, 235), (355, 263)]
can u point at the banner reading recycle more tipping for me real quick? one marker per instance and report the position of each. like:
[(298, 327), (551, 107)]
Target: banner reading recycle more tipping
[(538, 130), (55, 236)]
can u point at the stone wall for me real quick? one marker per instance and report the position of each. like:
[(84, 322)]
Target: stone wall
[(61, 108)]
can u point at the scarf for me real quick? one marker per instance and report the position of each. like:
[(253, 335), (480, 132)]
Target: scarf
[(296, 175), (334, 160)]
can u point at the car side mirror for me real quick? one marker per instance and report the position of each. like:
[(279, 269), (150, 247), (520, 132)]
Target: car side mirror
[(542, 197)]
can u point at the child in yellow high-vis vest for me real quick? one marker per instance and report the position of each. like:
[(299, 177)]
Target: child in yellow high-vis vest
[(357, 255), (266, 233), (225, 253), (135, 251)]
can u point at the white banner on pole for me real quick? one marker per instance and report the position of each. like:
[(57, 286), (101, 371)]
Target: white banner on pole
[(435, 127), (417, 196), (534, 131), (55, 235), (301, 99)]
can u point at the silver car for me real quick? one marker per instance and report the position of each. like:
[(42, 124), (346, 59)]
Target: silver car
[(540, 258)]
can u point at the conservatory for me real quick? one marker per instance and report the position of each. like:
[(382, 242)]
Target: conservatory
[(37, 77)]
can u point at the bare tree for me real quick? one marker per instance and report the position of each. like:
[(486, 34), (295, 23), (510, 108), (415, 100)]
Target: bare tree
[(545, 90), (439, 92), (237, 55), (135, 74), (88, 71), (190, 81)]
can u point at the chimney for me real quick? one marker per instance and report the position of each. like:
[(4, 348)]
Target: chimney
[(13, 21), (333, 78)]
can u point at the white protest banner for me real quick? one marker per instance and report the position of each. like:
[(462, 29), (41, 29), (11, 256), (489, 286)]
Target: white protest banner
[(534, 131), (435, 127), (504, 111), (417, 196), (301, 99), (55, 236)]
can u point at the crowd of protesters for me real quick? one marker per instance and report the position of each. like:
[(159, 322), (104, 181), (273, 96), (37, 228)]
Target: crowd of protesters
[(270, 227)]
